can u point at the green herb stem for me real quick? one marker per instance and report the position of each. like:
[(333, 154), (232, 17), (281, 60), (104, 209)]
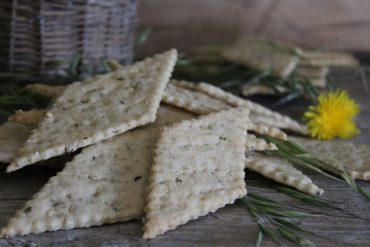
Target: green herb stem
[(274, 219), (297, 155)]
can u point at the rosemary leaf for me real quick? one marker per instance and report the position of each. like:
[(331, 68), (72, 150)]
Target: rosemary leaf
[(259, 238), (143, 37), (263, 203), (269, 232), (282, 213), (286, 223), (294, 238), (73, 66), (314, 201), (258, 77), (285, 99), (259, 197), (272, 220), (355, 186)]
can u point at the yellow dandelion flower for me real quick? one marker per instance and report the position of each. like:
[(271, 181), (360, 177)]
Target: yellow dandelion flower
[(333, 116)]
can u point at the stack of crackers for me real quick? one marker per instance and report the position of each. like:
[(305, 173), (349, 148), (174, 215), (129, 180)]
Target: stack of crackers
[(152, 148), (284, 60), (281, 59)]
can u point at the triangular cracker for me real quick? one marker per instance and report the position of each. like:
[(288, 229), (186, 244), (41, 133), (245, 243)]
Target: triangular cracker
[(355, 159), (281, 171), (99, 108), (189, 153), (12, 137), (105, 183)]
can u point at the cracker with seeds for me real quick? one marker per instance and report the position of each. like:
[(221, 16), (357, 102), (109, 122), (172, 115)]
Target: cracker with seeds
[(281, 171), (68, 202), (205, 98), (103, 184), (181, 94), (184, 84), (261, 54), (45, 90), (308, 71), (99, 108), (258, 144), (267, 130), (192, 101), (257, 110), (253, 89), (355, 159), (214, 146), (12, 137), (31, 117), (327, 58), (259, 114), (178, 93)]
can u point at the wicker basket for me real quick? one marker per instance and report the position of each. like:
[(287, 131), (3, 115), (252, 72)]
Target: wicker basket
[(35, 35)]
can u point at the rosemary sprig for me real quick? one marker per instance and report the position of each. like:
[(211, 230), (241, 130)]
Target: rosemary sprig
[(275, 219), (297, 155), (259, 238), (313, 201)]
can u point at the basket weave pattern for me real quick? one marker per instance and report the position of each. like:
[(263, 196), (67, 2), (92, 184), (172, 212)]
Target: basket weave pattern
[(37, 34)]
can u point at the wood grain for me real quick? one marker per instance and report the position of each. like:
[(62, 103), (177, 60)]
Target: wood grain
[(330, 24), (230, 226)]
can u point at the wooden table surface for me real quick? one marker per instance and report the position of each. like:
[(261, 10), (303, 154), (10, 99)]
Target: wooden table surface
[(229, 226)]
